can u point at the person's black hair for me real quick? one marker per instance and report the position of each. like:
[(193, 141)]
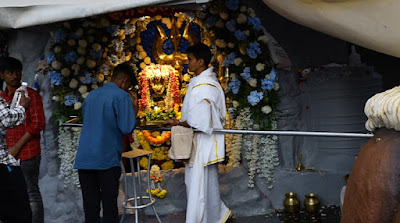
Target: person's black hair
[(125, 69), (9, 63), (201, 51)]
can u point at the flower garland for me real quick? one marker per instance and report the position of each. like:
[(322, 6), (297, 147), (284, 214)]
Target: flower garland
[(233, 142), (269, 153), (252, 157), (157, 140), (260, 152), (135, 144), (142, 141), (155, 176), (234, 149), (68, 143), (160, 153), (157, 71)]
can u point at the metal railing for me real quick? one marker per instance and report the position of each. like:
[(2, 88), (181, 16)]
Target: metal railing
[(256, 132)]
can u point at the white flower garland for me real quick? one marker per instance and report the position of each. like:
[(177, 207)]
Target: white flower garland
[(68, 143), (135, 144), (268, 149), (233, 149), (261, 152)]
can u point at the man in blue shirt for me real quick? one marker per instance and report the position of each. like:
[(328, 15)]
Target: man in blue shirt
[(109, 113)]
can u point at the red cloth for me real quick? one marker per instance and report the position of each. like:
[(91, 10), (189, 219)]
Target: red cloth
[(34, 123)]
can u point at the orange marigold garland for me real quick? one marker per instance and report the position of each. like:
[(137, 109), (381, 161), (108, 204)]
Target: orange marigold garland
[(158, 140)]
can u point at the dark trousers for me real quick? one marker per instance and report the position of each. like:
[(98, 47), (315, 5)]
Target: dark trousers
[(100, 186), (30, 169), (14, 200)]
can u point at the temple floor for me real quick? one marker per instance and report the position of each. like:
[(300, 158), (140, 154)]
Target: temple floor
[(328, 214)]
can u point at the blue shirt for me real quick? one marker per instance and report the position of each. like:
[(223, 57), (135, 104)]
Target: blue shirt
[(108, 115)]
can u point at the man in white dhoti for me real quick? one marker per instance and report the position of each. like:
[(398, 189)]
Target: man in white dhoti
[(204, 109)]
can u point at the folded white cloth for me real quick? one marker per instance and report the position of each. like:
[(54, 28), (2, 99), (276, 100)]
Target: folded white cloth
[(181, 143)]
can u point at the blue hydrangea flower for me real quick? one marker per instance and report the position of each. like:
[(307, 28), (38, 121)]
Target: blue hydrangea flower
[(273, 75), (183, 45), (232, 4), (255, 22), (59, 36), (196, 30), (231, 25), (73, 35), (267, 84), (185, 69), (96, 54), (168, 47), (147, 37), (71, 57), (104, 69), (70, 100), (256, 46), (252, 53), (230, 59), (240, 35), (56, 78), (113, 30), (210, 21), (234, 85), (89, 79), (255, 97), (51, 57), (246, 74), (254, 50)]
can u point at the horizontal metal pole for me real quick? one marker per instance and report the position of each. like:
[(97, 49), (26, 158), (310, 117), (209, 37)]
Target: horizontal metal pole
[(255, 132), (296, 133)]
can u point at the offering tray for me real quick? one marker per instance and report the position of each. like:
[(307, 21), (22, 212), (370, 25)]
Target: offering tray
[(155, 123)]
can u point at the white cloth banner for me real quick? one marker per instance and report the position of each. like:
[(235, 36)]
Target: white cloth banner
[(24, 13), (368, 23)]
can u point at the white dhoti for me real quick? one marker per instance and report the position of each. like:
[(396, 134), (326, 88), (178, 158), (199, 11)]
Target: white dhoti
[(204, 204), (204, 109)]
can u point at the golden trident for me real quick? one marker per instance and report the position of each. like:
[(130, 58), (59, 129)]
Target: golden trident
[(177, 58)]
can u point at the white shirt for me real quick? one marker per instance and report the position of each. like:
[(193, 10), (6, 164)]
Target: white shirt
[(204, 109)]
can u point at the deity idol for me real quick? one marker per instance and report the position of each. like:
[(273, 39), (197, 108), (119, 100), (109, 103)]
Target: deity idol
[(159, 86)]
